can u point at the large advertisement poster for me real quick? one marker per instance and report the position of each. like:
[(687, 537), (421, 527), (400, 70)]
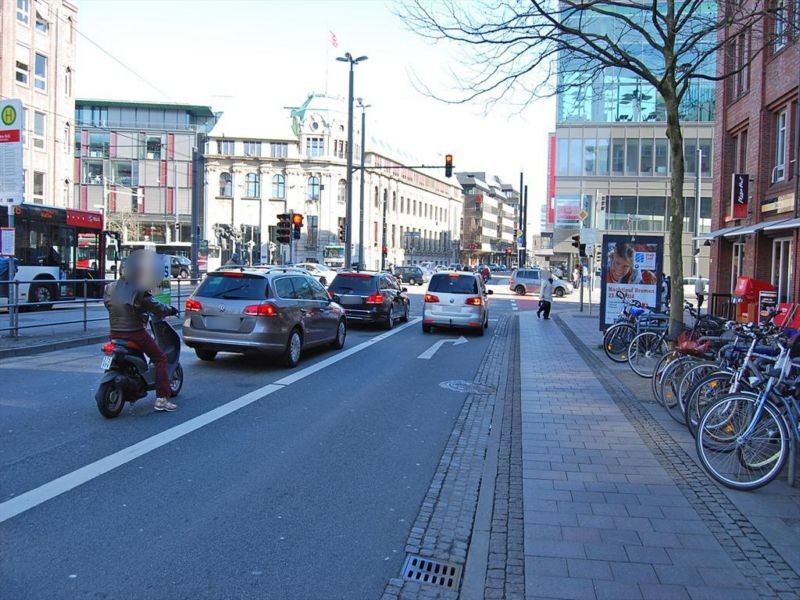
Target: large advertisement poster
[(631, 268), (568, 211)]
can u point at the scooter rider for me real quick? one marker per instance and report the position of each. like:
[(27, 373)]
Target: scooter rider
[(129, 302)]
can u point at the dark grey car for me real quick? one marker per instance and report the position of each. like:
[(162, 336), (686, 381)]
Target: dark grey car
[(262, 311)]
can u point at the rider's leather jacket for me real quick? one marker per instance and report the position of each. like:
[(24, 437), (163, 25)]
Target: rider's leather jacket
[(129, 308)]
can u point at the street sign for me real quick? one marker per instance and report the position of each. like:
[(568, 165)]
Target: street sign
[(11, 127), (7, 241), (583, 214)]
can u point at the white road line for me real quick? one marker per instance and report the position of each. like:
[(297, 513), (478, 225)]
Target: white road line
[(32, 498), (514, 305)]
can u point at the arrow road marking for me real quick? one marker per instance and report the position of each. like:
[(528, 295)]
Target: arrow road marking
[(428, 354)]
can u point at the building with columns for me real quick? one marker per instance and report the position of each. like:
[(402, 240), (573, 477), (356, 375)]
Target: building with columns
[(296, 162)]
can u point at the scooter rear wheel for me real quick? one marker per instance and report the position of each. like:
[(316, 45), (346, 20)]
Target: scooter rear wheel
[(176, 381), (110, 400)]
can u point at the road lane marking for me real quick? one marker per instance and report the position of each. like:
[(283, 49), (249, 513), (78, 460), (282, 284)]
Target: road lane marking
[(514, 305), (429, 353), (33, 498)]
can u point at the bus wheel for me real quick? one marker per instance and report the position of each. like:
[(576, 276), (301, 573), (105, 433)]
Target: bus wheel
[(40, 294)]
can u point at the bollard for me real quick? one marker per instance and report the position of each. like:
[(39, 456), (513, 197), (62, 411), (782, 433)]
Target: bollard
[(85, 308), (14, 310)]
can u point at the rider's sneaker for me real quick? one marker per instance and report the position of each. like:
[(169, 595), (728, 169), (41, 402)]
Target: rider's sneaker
[(164, 404)]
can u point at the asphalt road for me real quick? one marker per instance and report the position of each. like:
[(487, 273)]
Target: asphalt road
[(267, 483)]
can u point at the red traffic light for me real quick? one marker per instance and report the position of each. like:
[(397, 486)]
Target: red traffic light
[(297, 220), (448, 165)]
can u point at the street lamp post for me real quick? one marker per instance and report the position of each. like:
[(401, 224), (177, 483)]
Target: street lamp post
[(348, 226), (363, 108)]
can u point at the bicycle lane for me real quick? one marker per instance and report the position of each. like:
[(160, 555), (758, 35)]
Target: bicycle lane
[(614, 507)]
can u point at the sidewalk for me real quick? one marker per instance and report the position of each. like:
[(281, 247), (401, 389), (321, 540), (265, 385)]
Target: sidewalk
[(614, 506)]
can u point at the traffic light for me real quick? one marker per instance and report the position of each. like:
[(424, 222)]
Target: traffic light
[(582, 250), (576, 242), (284, 230), (385, 251), (448, 165), (342, 235), (297, 224)]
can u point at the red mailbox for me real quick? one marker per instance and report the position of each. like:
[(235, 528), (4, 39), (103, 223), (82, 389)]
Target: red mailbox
[(746, 297)]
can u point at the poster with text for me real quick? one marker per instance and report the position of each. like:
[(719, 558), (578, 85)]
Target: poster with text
[(631, 268)]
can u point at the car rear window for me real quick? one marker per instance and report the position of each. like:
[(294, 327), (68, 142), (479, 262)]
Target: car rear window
[(353, 284), (233, 286), (449, 284)]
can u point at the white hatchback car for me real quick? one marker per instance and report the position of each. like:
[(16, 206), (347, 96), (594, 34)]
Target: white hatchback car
[(456, 299), (321, 272)]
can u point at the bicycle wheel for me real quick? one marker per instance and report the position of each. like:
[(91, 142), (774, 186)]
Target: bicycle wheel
[(655, 382), (701, 369), (644, 352), (670, 383), (704, 393), (616, 340), (736, 460)]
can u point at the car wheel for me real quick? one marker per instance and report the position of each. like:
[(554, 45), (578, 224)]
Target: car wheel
[(412, 281), (341, 334), (426, 328), (205, 354), (184, 274), (481, 329), (558, 292), (390, 318), (41, 293), (519, 290), (294, 348), (404, 318), (486, 322)]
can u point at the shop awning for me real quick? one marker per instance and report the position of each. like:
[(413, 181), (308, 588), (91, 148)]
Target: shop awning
[(715, 234), (756, 227), (784, 224)]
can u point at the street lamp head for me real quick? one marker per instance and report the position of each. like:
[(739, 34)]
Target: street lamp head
[(360, 59)]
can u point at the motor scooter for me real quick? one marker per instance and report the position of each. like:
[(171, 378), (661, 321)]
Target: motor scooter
[(129, 375)]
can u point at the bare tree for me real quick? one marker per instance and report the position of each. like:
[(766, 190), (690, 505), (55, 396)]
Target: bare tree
[(519, 50), (126, 222)]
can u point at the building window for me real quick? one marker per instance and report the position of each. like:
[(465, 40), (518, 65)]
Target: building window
[(741, 63), (779, 171), (632, 158), (99, 145), (68, 82), (278, 150), (782, 268), (342, 191), (40, 72), (313, 188), (225, 147), (23, 68), (278, 187), (779, 17), (312, 231), (38, 187), (253, 185), (252, 148), (38, 129), (42, 26), (122, 173), (225, 184), (92, 172), (315, 146), (70, 27), (152, 147), (23, 11)]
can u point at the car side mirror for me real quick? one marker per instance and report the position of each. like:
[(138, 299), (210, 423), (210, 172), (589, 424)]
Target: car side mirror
[(490, 292)]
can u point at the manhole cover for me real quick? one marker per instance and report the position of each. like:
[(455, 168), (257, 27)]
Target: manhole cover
[(466, 387), (433, 572)]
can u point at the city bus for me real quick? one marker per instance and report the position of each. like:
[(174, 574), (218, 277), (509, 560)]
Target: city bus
[(334, 256), (53, 245)]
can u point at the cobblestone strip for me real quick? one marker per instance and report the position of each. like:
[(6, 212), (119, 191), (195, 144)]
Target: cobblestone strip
[(505, 575), (443, 525), (753, 555)]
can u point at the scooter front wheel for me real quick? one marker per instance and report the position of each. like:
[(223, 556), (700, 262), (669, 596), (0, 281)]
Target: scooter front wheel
[(176, 381), (110, 400)]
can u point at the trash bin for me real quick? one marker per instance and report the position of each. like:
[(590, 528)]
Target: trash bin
[(745, 297)]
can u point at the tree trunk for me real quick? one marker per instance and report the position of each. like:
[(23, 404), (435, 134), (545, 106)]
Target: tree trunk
[(675, 136)]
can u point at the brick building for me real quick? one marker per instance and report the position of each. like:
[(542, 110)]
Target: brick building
[(757, 136)]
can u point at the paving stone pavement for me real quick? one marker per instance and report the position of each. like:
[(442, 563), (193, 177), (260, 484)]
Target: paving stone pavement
[(613, 507)]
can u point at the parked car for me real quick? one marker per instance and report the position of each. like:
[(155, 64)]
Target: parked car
[(688, 287), (529, 281), (370, 297), (274, 311), (456, 299), (413, 275), (179, 266), (323, 274)]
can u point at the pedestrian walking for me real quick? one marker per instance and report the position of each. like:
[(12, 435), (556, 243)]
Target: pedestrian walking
[(700, 291), (666, 289), (576, 277), (545, 298)]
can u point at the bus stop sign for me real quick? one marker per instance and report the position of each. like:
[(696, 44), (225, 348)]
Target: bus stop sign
[(10, 152)]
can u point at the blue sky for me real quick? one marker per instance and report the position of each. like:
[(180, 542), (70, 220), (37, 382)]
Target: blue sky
[(272, 53)]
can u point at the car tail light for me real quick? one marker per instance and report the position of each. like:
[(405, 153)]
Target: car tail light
[(261, 310), (474, 301), (232, 274), (193, 305), (108, 348), (431, 298), (375, 299)]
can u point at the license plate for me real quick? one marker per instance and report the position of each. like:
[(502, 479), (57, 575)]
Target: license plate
[(106, 363)]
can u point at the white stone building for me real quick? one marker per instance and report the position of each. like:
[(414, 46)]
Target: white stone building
[(258, 168), (37, 65)]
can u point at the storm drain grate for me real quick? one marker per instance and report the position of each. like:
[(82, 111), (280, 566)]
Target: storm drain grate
[(433, 572)]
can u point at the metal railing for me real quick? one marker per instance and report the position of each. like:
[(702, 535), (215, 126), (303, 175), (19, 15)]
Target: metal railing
[(722, 306), (88, 295)]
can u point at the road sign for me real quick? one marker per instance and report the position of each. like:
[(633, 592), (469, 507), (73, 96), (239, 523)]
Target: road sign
[(11, 127), (583, 214), (7, 241)]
